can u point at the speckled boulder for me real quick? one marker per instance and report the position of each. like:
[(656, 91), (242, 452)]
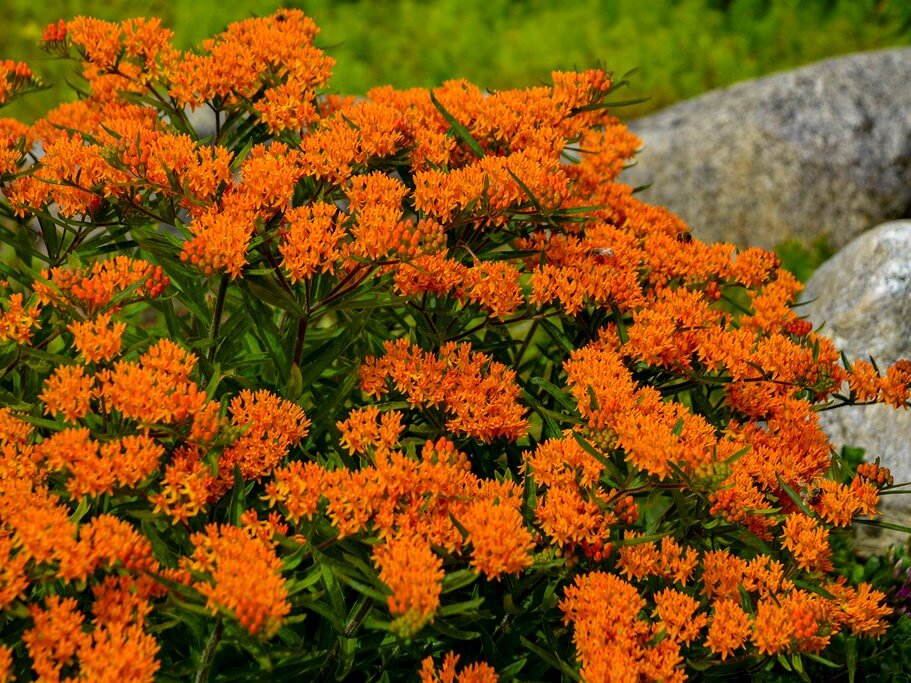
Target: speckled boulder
[(863, 295), (821, 150)]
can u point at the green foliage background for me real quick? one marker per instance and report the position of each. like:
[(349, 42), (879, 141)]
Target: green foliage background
[(683, 47)]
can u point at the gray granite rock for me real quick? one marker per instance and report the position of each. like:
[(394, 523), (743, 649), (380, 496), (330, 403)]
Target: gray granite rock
[(821, 150), (863, 295)]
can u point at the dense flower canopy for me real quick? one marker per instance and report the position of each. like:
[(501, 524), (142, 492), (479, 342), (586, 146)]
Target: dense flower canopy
[(344, 382)]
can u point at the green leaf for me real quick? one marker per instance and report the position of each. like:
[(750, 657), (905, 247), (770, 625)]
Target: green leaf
[(507, 672), (267, 290), (313, 365), (884, 525), (550, 658), (468, 606), (612, 470), (460, 130), (851, 657), (295, 385), (238, 502), (458, 579), (821, 660), (333, 588), (783, 660), (557, 335), (798, 501), (562, 397)]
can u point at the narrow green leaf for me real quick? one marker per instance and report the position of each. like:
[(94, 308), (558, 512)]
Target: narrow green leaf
[(562, 397), (557, 335), (460, 130), (798, 501)]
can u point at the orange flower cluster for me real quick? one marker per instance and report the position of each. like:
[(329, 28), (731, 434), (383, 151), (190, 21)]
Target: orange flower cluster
[(275, 54), (17, 321), (569, 509), (14, 142), (414, 574), (479, 672), (242, 576), (14, 78), (641, 559), (91, 289), (480, 394), (169, 396), (116, 649), (867, 385), (603, 610), (654, 434), (413, 503), (612, 642), (98, 339), (97, 468), (272, 426), (635, 409), (187, 486), (310, 242)]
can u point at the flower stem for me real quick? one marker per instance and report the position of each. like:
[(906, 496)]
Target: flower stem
[(208, 655), (216, 315)]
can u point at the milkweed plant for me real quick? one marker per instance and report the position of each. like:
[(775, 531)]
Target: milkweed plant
[(298, 386)]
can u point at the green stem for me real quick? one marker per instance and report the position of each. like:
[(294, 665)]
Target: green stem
[(208, 654), (216, 315), (299, 341), (525, 343)]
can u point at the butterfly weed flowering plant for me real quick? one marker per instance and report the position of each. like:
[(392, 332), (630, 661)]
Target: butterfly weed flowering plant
[(405, 386)]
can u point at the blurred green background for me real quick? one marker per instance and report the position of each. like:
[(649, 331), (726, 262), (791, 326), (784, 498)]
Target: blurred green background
[(682, 47)]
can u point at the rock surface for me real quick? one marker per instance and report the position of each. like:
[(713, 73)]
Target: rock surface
[(821, 150), (863, 295)]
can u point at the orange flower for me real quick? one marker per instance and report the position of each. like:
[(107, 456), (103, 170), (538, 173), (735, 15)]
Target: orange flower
[(98, 339), (729, 628), (16, 322), (671, 561), (501, 544), (298, 487), (368, 429), (95, 287), (13, 576), (414, 574), (248, 55), (310, 242), (808, 541), (798, 620), (220, 242), (569, 517), (69, 391), (243, 577), (15, 139), (168, 395), (481, 394), (273, 425), (722, 574), (839, 504), (55, 637), (111, 542), (479, 672), (861, 609), (677, 614), (187, 486), (864, 381), (14, 77), (6, 663), (119, 653), (612, 643), (895, 387)]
